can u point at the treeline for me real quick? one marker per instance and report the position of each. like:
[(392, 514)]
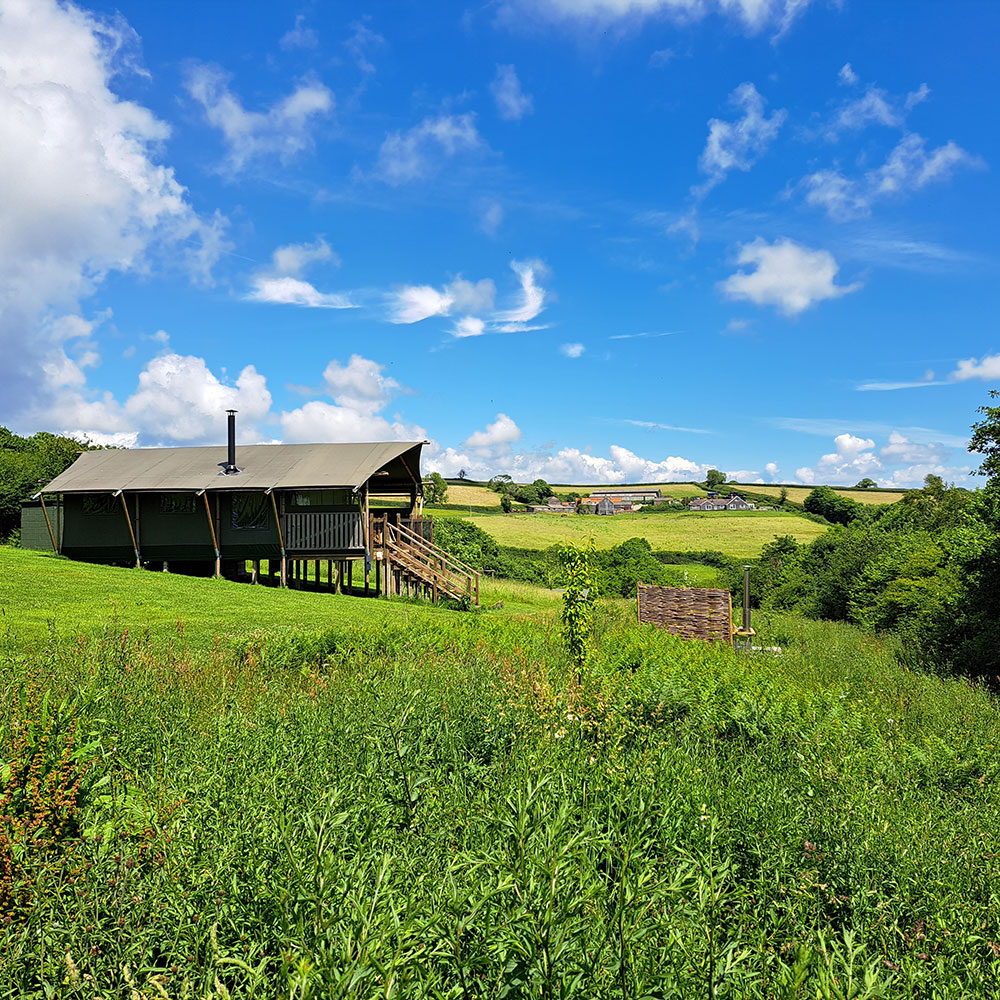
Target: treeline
[(27, 464), (924, 568)]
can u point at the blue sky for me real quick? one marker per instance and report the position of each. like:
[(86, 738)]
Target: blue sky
[(591, 240)]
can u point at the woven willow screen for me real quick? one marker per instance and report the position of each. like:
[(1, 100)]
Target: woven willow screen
[(688, 612)]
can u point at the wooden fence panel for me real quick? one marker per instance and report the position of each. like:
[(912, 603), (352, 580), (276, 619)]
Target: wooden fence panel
[(323, 532), (688, 612)]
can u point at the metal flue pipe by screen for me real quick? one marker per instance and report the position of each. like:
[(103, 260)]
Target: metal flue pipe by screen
[(229, 466)]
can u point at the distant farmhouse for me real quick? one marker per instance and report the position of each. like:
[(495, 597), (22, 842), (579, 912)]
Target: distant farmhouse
[(646, 496), (713, 502)]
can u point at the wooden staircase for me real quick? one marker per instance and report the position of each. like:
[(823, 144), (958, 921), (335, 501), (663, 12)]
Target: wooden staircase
[(416, 567)]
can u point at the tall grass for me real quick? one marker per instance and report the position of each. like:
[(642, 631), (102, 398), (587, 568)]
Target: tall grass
[(377, 811)]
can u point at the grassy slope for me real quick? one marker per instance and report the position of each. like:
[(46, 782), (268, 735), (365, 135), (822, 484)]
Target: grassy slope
[(737, 534), (79, 598), (448, 806)]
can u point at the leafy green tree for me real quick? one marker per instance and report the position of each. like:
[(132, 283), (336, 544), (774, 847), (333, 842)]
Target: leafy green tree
[(506, 504), (501, 483), (985, 439), (714, 479), (866, 484), (835, 508), (27, 464), (435, 489), (783, 496)]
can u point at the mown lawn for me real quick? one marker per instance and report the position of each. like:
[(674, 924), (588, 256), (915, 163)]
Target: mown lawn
[(434, 805), (40, 593), (734, 533)]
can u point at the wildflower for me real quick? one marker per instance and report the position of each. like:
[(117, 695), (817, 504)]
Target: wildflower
[(560, 734)]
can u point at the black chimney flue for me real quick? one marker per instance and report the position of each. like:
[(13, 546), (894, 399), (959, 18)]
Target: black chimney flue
[(229, 466)]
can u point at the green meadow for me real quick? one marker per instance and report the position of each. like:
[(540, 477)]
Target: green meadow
[(213, 790), (739, 534)]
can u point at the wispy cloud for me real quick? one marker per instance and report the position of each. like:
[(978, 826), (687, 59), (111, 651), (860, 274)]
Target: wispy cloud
[(638, 336), (652, 426), (832, 426)]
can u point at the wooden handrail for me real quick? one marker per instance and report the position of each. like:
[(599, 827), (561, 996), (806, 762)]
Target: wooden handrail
[(430, 553), (437, 551)]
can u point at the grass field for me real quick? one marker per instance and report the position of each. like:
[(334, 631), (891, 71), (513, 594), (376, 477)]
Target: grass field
[(797, 494), (736, 534), (76, 598), (433, 805)]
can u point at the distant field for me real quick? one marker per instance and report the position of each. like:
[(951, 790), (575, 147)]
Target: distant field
[(798, 493), (740, 535), (476, 496)]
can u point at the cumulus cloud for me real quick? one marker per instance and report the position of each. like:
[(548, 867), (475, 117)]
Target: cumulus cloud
[(284, 130), (84, 194), (502, 432), (986, 368), (511, 101), (572, 350), (772, 471), (179, 399), (786, 275), (737, 145), (360, 390), (422, 150), (283, 284)]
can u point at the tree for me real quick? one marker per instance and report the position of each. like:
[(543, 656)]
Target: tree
[(501, 483), (435, 489), (461, 473), (866, 484), (714, 479), (783, 496), (506, 504), (985, 440)]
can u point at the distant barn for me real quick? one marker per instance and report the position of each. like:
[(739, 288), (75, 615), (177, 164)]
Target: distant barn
[(290, 505)]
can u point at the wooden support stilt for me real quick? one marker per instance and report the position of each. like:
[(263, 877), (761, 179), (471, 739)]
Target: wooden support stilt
[(255, 571), (128, 518), (350, 573), (48, 524), (281, 540)]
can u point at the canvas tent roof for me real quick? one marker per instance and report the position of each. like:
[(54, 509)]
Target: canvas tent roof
[(262, 466)]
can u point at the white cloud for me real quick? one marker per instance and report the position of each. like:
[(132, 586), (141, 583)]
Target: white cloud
[(502, 432), (786, 275), (754, 15), (491, 217), (874, 107), (295, 292), (852, 460), (909, 167), (847, 76), (180, 399), (284, 130), (84, 194), (294, 258), (359, 390), (422, 150), (986, 368), (511, 101), (772, 470), (650, 425), (532, 296), (413, 303), (468, 326), (902, 450), (737, 145), (299, 36), (282, 284), (572, 350)]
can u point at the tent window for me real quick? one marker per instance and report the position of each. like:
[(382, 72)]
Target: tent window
[(177, 503), (250, 512), (321, 498), (101, 503)]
